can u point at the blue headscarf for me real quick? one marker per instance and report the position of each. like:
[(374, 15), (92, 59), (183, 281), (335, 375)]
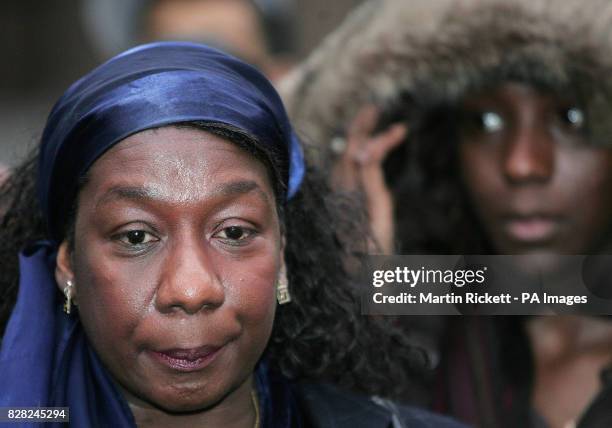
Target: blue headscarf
[(45, 358), (151, 86)]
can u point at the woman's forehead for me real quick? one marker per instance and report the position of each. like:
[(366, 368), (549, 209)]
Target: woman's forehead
[(177, 164), (509, 91)]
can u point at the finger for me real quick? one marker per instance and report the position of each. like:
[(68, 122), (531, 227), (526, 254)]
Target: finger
[(379, 147), (360, 130), (379, 205), (364, 122), (387, 141), (345, 176)]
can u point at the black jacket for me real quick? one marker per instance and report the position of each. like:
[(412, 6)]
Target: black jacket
[(324, 406)]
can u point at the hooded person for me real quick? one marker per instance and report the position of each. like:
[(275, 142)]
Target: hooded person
[(486, 130)]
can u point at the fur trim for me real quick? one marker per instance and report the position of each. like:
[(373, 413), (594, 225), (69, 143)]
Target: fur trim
[(435, 51)]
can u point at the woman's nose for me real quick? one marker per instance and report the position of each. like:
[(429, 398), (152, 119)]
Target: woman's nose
[(189, 282), (529, 155)]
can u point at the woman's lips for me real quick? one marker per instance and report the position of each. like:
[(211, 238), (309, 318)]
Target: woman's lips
[(532, 228), (187, 360)]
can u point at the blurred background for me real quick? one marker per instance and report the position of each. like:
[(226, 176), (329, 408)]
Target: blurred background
[(47, 45)]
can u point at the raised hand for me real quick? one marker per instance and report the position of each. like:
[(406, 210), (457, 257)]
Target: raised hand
[(359, 168)]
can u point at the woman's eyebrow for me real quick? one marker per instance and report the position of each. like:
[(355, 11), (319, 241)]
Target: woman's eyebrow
[(240, 187), (144, 193)]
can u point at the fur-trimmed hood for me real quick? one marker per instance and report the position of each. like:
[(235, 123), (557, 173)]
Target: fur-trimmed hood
[(435, 51)]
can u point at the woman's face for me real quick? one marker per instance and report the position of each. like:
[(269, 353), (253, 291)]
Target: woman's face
[(177, 251), (536, 184)]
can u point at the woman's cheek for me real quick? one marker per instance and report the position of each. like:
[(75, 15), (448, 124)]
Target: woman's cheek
[(250, 288), (110, 295)]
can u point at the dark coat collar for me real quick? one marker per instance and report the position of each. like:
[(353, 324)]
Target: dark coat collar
[(326, 406)]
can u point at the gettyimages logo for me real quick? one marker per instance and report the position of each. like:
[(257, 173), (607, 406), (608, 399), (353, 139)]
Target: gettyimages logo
[(414, 277), (486, 285)]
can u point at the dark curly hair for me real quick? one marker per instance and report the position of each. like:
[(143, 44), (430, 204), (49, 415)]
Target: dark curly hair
[(432, 212), (320, 335)]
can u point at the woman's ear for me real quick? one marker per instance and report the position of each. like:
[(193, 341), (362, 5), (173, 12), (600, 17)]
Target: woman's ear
[(63, 267)]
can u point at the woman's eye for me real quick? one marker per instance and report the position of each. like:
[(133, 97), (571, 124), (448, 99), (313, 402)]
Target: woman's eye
[(573, 117), (136, 238), (234, 233), (479, 122), (491, 121)]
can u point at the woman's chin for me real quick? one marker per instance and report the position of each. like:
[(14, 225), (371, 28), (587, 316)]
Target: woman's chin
[(539, 263), (185, 401)]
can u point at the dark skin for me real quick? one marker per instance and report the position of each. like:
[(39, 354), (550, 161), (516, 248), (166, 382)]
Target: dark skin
[(540, 190), (177, 252), (536, 184)]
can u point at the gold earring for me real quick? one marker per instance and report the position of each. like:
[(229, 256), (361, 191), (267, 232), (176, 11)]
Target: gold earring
[(282, 291), (68, 291)]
